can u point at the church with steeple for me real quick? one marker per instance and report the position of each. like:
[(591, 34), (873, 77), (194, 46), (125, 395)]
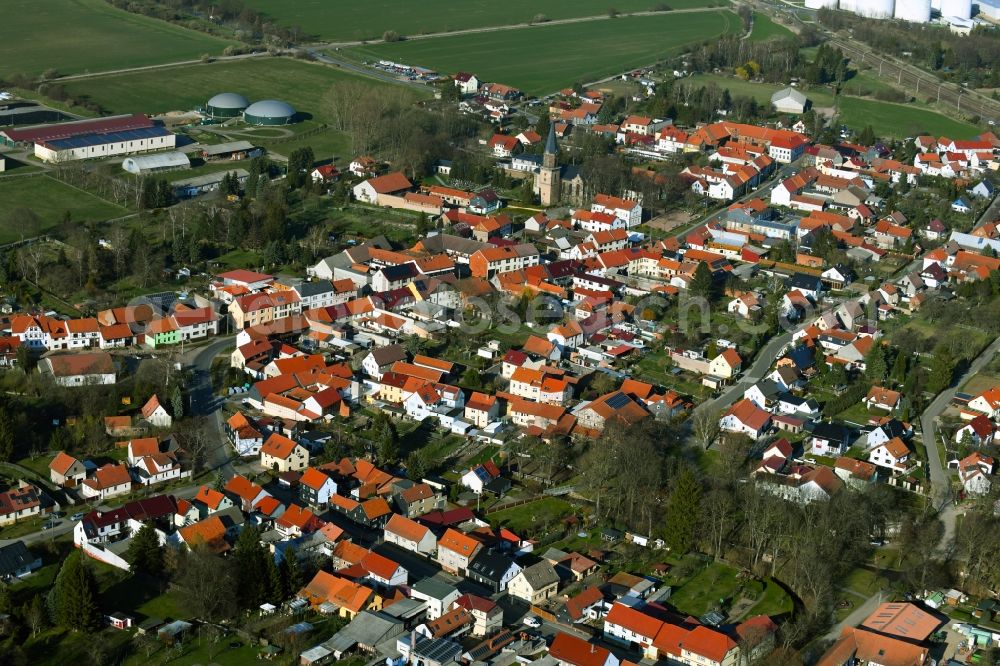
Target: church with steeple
[(556, 184)]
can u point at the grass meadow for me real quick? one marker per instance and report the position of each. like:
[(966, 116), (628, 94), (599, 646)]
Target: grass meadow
[(50, 200)]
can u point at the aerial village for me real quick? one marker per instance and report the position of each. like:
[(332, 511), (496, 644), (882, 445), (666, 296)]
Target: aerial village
[(449, 450)]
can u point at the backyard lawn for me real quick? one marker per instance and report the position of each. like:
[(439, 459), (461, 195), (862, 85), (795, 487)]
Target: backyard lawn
[(94, 36), (545, 58), (706, 590), (342, 20), (775, 601), (527, 517)]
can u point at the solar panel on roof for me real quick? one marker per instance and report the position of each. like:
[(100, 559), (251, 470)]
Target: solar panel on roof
[(86, 140), (617, 401)]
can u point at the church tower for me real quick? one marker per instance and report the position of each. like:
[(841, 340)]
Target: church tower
[(548, 181)]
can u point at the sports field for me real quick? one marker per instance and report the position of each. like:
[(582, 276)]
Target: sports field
[(49, 200), (542, 59), (77, 36), (348, 20)]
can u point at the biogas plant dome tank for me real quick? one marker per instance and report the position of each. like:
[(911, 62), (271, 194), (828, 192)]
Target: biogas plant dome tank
[(269, 112)]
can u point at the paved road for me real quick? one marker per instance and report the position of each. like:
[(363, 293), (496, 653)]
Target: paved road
[(940, 483), (204, 402), (65, 525), (178, 63)]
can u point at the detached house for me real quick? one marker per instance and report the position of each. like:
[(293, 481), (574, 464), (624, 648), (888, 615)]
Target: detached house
[(456, 551), (882, 398), (282, 454), (980, 431), (155, 414), (534, 584), (66, 471), (315, 487), (108, 481), (893, 455), (986, 403), (410, 535), (747, 418), (375, 190)]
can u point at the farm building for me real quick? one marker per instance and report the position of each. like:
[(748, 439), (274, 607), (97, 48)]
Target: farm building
[(226, 105), (789, 100), (146, 164), (192, 187), (231, 150), (269, 112), (89, 139)]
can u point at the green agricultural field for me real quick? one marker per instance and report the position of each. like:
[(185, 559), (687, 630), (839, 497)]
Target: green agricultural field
[(303, 85), (765, 28), (49, 200), (901, 120), (543, 59), (347, 21), (92, 36)]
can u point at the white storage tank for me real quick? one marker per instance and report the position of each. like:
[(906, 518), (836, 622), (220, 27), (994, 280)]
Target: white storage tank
[(821, 4), (869, 8), (915, 11), (960, 8)]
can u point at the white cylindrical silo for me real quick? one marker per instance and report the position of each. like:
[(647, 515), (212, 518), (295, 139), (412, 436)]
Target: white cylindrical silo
[(875, 8), (960, 8), (915, 11), (821, 4)]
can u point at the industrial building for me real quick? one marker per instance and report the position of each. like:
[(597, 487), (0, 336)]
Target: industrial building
[(226, 105), (147, 164), (915, 11), (990, 9), (92, 139), (269, 112)]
